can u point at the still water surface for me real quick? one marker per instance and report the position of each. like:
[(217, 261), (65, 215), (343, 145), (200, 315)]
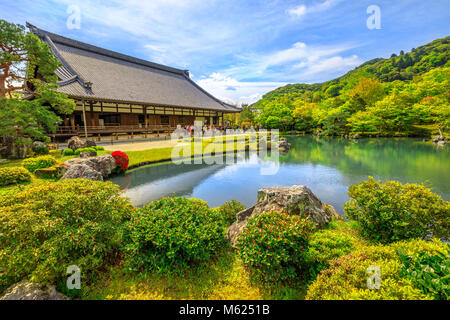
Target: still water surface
[(328, 166)]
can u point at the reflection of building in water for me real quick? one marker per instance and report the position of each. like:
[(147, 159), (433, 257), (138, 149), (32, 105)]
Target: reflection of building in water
[(152, 183)]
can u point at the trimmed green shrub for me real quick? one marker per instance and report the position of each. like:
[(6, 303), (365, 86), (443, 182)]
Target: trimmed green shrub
[(31, 164), (391, 211), (326, 245), (13, 175), (347, 276), (68, 152), (46, 228), (172, 233), (273, 245), (89, 149), (229, 210), (99, 148)]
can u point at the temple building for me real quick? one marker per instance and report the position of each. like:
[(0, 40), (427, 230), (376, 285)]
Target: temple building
[(117, 93)]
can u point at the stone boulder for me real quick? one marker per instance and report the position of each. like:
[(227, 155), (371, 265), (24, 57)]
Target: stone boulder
[(295, 200), (82, 171), (75, 143), (439, 140), (26, 290), (283, 145), (88, 154), (90, 143), (37, 144), (104, 164)]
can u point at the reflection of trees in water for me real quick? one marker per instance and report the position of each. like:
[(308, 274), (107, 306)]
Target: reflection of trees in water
[(403, 159)]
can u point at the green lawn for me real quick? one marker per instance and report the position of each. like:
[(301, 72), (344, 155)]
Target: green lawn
[(223, 278), (151, 155)]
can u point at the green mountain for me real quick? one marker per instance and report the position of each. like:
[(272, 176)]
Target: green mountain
[(373, 89), (399, 67)]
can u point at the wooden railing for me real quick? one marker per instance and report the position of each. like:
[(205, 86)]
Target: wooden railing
[(108, 129)]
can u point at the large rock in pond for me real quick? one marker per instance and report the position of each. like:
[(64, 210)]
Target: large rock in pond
[(104, 164), (82, 171), (26, 290), (295, 200), (283, 145), (75, 143)]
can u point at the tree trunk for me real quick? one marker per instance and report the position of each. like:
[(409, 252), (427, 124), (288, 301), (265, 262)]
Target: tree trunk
[(441, 134)]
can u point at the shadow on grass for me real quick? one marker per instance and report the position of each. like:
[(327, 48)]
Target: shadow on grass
[(220, 279)]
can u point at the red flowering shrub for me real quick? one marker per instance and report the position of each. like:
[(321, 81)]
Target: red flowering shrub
[(122, 160), (274, 245)]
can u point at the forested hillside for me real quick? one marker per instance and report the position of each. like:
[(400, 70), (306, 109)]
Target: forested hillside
[(403, 94)]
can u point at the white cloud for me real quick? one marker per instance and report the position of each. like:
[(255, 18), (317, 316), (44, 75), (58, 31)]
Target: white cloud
[(243, 91), (299, 63), (229, 45), (303, 10), (336, 63)]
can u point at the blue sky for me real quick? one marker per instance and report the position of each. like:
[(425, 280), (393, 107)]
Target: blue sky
[(239, 50)]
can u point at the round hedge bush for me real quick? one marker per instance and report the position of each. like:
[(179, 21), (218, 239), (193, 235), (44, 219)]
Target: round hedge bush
[(32, 164), (346, 278), (68, 152), (274, 245), (390, 211), (229, 210), (172, 232), (88, 149), (46, 228), (13, 175)]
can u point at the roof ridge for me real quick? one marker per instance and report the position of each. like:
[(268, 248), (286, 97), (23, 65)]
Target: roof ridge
[(98, 50)]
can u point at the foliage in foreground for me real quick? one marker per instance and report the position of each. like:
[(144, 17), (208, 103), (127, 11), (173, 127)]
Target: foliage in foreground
[(391, 211), (429, 273), (346, 278), (172, 233), (274, 245), (13, 175), (46, 228)]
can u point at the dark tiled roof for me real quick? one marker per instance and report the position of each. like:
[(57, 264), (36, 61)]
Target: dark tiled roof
[(121, 78)]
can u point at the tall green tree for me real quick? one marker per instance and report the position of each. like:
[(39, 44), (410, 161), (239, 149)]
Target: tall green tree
[(27, 65)]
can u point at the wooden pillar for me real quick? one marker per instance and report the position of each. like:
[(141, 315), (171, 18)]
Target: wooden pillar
[(72, 121), (84, 120), (92, 114), (145, 118)]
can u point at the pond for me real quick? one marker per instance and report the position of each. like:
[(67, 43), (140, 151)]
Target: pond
[(328, 166)]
